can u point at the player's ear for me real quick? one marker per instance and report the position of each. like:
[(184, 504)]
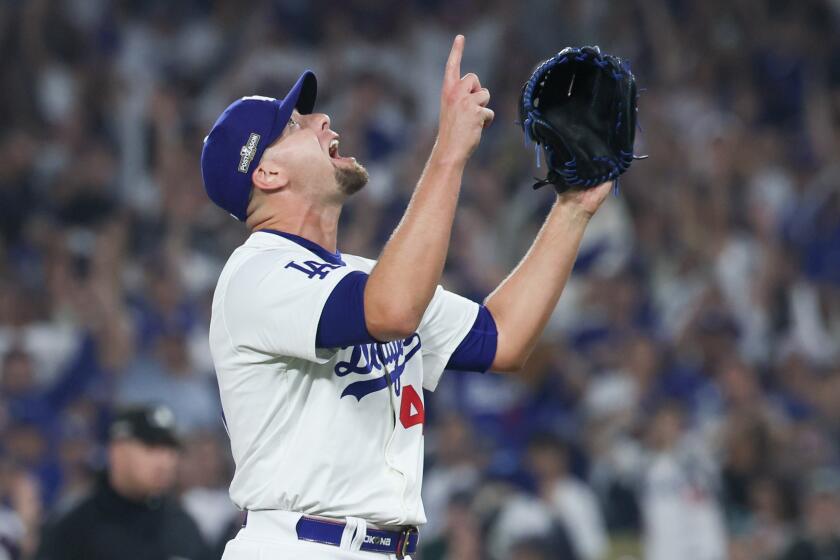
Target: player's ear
[(269, 176)]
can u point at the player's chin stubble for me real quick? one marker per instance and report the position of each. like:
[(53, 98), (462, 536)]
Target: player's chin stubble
[(351, 179)]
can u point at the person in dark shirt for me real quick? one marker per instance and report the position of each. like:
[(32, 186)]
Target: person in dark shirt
[(819, 538), (129, 515)]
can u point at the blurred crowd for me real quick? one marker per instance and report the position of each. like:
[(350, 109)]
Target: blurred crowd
[(685, 400)]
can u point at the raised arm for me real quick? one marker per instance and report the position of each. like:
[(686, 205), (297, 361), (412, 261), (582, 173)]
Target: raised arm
[(403, 281), (523, 302)]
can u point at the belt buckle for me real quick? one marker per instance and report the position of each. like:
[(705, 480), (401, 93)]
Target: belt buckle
[(404, 539)]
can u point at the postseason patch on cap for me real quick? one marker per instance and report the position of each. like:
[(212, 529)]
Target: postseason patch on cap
[(247, 152)]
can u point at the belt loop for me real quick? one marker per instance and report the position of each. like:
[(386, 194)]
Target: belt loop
[(350, 528), (357, 536)]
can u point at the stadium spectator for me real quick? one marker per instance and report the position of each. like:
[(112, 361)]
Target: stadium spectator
[(819, 536), (572, 503), (20, 512), (129, 514), (204, 475), (683, 518)]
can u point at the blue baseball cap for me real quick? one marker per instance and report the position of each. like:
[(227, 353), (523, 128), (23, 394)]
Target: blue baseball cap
[(240, 136)]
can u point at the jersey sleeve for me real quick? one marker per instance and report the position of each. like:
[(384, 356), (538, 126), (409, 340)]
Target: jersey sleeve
[(273, 306), (343, 320), (477, 350), (447, 320)]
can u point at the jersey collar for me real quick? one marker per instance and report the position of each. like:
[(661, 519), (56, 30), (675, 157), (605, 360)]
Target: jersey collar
[(332, 258)]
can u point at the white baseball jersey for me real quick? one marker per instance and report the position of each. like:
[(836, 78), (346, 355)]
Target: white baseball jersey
[(319, 431)]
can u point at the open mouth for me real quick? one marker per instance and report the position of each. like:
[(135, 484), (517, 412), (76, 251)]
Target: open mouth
[(333, 152)]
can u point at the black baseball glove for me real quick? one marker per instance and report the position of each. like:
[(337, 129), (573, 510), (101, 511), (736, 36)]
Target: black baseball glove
[(580, 106)]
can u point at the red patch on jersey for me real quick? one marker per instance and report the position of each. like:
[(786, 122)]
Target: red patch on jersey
[(411, 408)]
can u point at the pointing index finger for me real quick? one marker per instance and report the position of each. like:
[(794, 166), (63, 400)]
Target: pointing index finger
[(453, 64)]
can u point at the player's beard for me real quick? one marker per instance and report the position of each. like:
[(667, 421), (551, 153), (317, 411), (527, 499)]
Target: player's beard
[(351, 179)]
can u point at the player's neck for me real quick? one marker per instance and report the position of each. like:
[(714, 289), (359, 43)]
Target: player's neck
[(316, 223)]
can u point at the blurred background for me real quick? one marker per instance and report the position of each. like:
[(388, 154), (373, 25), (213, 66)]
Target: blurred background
[(685, 400)]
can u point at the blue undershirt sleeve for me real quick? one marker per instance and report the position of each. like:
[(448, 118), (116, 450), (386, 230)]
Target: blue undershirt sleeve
[(342, 324), (342, 321), (478, 348)]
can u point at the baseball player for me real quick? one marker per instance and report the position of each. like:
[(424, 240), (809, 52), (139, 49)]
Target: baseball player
[(322, 357)]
